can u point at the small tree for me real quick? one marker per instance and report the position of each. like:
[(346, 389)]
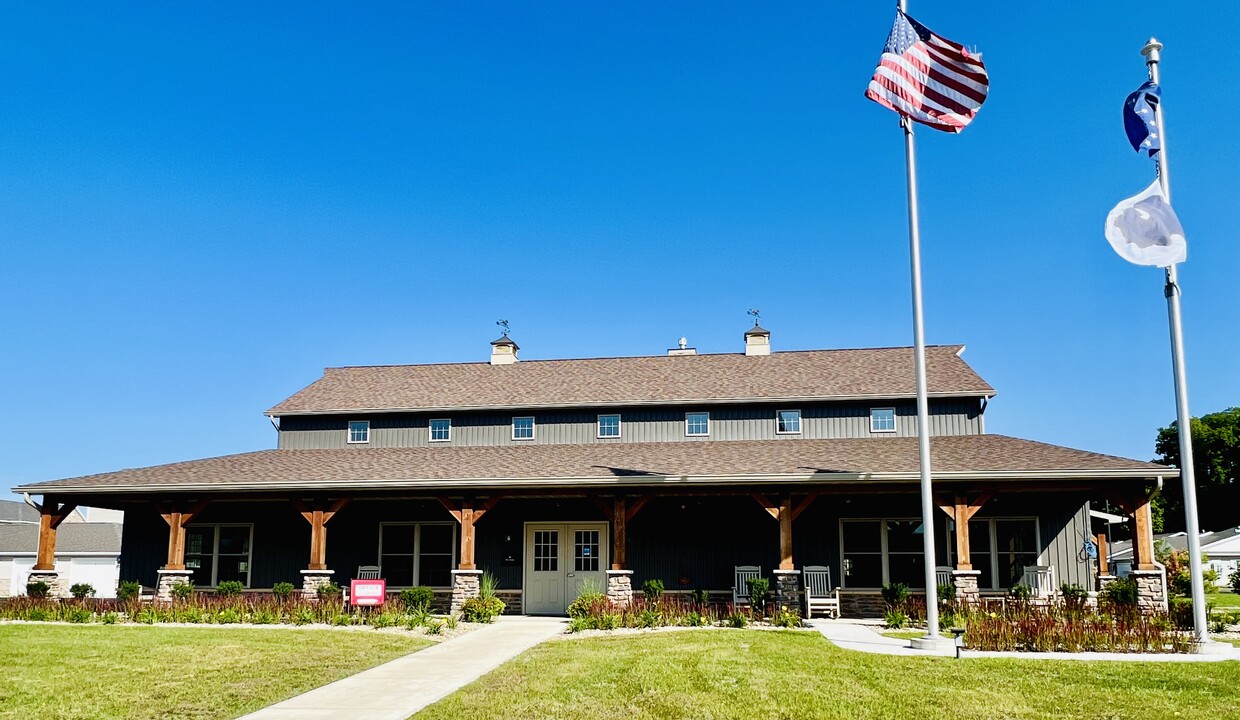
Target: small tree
[(1235, 580), (653, 589), (82, 590), (38, 589), (758, 588), (282, 590)]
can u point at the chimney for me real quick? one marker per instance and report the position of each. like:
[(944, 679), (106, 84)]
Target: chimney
[(757, 340), (682, 349), (504, 351)]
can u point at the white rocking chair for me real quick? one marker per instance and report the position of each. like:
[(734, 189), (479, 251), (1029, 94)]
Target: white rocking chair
[(1040, 579), (369, 572), (740, 584), (819, 594)]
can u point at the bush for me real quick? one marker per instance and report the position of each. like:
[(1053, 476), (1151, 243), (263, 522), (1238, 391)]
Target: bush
[(415, 598), (589, 603), (737, 620), (1021, 593), (700, 596), (653, 589), (946, 593), (282, 590), (228, 616), (79, 615), (758, 588), (82, 591), (787, 618), (482, 609), (38, 615), (128, 590), (182, 590), (110, 617), (895, 595), (1121, 593), (1235, 580), (1074, 596), (38, 589), (329, 591), (895, 619), (229, 588)]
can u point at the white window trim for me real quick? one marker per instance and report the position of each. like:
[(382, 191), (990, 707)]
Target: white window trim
[(348, 433), (800, 418), (533, 427), (598, 427), (700, 434), (417, 547), (894, 420), (215, 552), (430, 430)]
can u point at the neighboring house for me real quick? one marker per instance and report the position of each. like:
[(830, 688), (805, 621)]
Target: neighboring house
[(87, 552), (551, 473), (1222, 550)]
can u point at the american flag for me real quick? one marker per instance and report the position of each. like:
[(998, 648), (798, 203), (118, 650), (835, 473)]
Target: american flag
[(929, 79)]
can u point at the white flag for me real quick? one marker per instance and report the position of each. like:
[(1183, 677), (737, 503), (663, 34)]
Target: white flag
[(1145, 231)]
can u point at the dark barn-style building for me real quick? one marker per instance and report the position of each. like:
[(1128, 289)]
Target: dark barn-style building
[(548, 474)]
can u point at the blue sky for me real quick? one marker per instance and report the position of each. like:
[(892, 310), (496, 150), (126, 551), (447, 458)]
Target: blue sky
[(202, 207)]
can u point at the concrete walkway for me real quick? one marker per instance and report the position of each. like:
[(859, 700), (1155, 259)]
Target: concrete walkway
[(398, 689), (863, 636)]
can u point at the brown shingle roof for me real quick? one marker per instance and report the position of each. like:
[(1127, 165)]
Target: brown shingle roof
[(802, 375), (979, 455)]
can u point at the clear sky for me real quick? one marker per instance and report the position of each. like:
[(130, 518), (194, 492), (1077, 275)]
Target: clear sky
[(203, 206)]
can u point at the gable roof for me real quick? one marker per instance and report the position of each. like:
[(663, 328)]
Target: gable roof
[(71, 538), (649, 380), (985, 457), (1212, 543)]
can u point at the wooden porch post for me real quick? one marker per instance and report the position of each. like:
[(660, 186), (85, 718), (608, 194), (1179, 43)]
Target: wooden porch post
[(1102, 554), (177, 520), (467, 515), (318, 516), (1143, 536), (785, 533), (51, 515), (619, 541), (961, 512)]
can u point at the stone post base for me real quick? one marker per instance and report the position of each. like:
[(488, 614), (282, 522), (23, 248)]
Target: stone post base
[(787, 590), (620, 587), (55, 586), (168, 579), (965, 582), (465, 585), (1151, 595), (312, 580), (1104, 580)]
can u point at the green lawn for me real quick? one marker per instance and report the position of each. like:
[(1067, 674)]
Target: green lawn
[(1224, 600), (73, 671), (762, 674)]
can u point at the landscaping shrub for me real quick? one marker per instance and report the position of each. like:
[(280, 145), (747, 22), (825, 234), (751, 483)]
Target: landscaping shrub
[(895, 595), (487, 586), (79, 615), (652, 589), (1074, 596), (282, 590), (417, 598), (787, 618), (946, 593), (1020, 593), (699, 596), (229, 588), (38, 589), (482, 609), (82, 591), (1235, 580), (589, 603), (758, 588), (895, 618), (737, 620), (228, 616), (329, 592), (1121, 593), (128, 590), (419, 617), (1052, 628), (182, 590), (109, 618)]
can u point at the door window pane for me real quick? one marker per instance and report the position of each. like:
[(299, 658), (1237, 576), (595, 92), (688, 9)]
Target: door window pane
[(546, 551), (435, 571), (1016, 547), (435, 555), (396, 562), (585, 551), (200, 554), (863, 559)]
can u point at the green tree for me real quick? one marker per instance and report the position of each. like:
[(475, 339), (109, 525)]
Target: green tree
[(1216, 462)]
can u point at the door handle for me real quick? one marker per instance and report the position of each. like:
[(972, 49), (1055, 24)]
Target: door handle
[(572, 575)]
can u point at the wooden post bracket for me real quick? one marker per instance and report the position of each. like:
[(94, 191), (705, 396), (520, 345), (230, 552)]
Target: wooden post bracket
[(51, 515)]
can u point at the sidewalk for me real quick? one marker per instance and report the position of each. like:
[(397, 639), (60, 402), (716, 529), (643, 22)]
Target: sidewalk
[(863, 636), (398, 689)]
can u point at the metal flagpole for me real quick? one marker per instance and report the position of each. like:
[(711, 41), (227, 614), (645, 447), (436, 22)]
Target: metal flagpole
[(1183, 419), (932, 638)]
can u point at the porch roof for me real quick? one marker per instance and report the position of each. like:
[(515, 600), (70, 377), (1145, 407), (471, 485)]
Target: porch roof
[(967, 457)]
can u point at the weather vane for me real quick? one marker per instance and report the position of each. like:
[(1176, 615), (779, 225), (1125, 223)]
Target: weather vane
[(756, 316), (503, 324)]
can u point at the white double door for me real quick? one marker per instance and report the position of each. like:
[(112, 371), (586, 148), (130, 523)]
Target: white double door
[(559, 558)]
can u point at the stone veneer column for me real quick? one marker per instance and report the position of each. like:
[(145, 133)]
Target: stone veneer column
[(56, 586), (787, 590), (620, 587), (168, 579), (465, 585), (965, 582), (312, 580), (1151, 595)]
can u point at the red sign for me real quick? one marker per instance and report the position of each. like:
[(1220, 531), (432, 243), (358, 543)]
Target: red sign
[(367, 592)]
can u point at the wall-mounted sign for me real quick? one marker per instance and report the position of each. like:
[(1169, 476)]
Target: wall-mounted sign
[(367, 592)]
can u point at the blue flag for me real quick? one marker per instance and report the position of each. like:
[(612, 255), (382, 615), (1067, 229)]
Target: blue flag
[(1139, 118)]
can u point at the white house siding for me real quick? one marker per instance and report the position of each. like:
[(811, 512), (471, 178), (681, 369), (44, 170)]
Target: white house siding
[(102, 573)]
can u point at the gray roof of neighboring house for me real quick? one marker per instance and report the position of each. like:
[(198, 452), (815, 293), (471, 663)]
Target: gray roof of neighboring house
[(71, 538), (1178, 540), (630, 381), (990, 457), (19, 512)]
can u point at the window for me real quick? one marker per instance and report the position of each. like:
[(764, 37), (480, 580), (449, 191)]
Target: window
[(884, 551), (523, 428), (609, 426), (441, 430), (1000, 548), (359, 431), (697, 423), (585, 551), (217, 553), (882, 420), (417, 553), (788, 422)]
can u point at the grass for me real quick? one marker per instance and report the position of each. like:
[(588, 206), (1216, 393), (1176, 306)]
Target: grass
[(70, 671), (764, 674), (1222, 599)]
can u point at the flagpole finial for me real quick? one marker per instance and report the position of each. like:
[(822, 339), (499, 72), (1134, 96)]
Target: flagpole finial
[(1151, 50)]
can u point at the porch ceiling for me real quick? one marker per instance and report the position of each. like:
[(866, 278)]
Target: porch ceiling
[(886, 460)]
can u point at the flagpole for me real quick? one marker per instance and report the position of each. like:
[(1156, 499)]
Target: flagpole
[(932, 638), (1151, 51)]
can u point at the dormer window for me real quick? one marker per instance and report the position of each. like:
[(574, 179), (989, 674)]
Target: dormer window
[(441, 430), (882, 420), (359, 431), (523, 428), (788, 422), (609, 426), (697, 424)]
